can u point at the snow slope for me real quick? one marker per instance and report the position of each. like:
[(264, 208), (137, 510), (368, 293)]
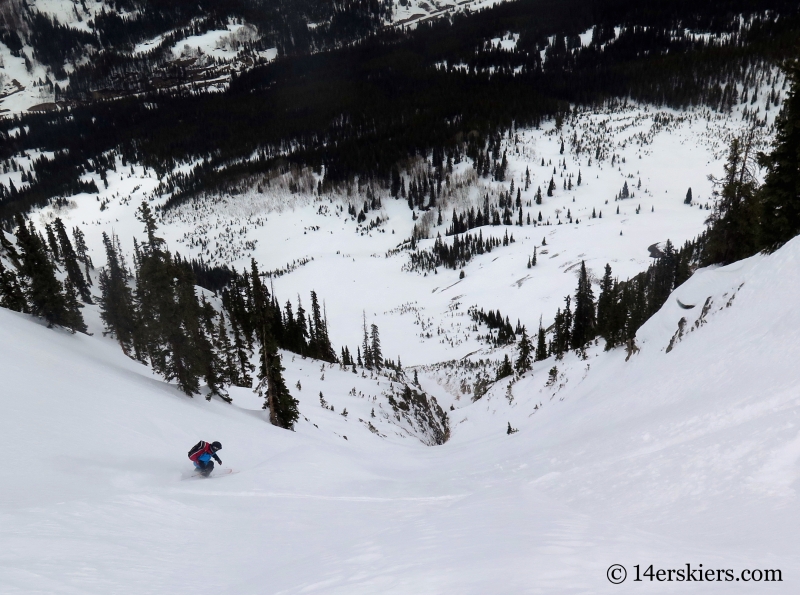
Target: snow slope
[(670, 458)]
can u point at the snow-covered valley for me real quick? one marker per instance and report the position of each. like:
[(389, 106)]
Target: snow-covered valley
[(658, 154), (478, 299)]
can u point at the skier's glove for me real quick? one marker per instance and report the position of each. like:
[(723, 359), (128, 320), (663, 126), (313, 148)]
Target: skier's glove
[(219, 460)]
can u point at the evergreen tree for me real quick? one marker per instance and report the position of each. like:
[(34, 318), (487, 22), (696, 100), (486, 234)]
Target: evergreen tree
[(541, 345), (605, 304), (688, 199), (524, 349), (661, 278), (505, 369), (346, 359), (52, 243), (562, 330), (242, 352), (290, 328), (117, 308), (74, 318), (733, 231), (320, 344), (184, 353), (170, 326), (365, 344), (83, 254), (212, 360), (375, 347), (154, 293), (70, 259), (683, 268), (272, 388), (302, 335), (265, 309), (227, 354), (501, 170), (781, 189), (145, 214), (583, 324), (11, 295), (43, 291)]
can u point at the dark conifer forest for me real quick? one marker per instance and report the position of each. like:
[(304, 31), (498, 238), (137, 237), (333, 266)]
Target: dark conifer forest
[(358, 108)]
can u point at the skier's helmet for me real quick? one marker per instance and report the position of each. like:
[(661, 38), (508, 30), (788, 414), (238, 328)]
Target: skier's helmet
[(215, 446)]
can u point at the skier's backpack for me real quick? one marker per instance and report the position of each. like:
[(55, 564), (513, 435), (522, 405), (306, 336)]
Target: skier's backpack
[(197, 447)]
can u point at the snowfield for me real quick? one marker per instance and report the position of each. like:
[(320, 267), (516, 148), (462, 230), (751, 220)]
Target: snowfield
[(671, 458)]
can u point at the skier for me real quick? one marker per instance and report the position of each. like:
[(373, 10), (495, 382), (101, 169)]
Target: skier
[(201, 455)]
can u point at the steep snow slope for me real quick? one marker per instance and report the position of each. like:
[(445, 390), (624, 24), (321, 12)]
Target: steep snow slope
[(670, 458)]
